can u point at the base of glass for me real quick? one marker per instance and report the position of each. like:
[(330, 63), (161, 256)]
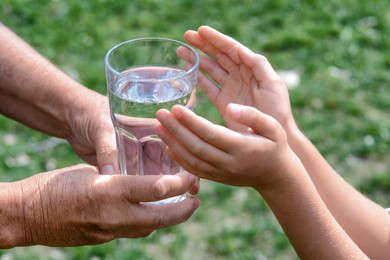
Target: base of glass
[(168, 200)]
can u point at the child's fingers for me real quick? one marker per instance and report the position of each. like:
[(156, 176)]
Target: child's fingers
[(210, 48), (238, 53), (210, 67), (262, 124), (217, 136), (209, 88), (221, 42), (188, 161), (187, 145), (182, 155), (260, 66)]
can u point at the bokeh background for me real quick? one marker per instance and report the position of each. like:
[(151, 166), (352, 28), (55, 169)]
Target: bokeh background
[(335, 53)]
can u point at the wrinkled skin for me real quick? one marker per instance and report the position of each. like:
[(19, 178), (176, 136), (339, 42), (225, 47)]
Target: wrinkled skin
[(78, 206)]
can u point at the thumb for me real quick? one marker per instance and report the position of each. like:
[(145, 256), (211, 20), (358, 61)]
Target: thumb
[(262, 124), (107, 153)]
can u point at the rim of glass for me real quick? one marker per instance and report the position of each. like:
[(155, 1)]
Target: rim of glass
[(117, 73)]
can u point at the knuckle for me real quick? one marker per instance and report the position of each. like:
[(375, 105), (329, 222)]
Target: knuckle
[(98, 232), (101, 189), (278, 131), (274, 125), (281, 134), (159, 189), (198, 150), (211, 137), (160, 221), (106, 224), (194, 164), (105, 151), (277, 128), (103, 237), (173, 128), (235, 169)]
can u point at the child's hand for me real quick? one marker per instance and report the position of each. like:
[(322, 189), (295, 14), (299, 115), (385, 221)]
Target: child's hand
[(256, 158), (238, 75)]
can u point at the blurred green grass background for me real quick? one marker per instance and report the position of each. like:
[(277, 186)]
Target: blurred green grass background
[(339, 48)]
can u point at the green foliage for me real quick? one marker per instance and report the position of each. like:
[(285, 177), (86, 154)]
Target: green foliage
[(340, 48)]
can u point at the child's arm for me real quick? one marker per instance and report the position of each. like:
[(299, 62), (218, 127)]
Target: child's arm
[(239, 75), (262, 159)]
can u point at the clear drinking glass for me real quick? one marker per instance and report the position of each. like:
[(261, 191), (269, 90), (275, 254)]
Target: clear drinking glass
[(143, 76)]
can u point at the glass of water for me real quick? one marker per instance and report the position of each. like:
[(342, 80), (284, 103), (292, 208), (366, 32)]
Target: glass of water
[(143, 76)]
